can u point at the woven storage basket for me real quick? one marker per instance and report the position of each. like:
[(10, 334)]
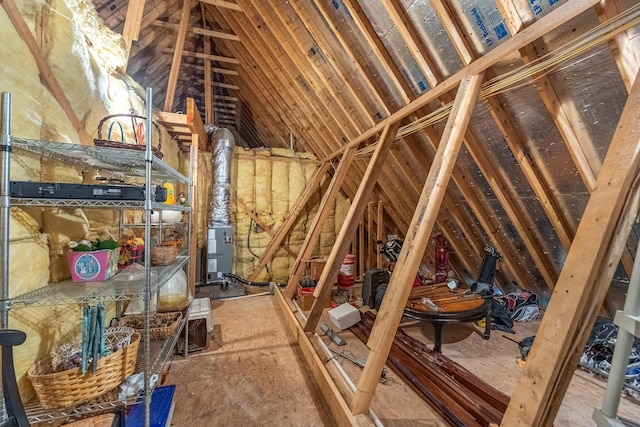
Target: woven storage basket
[(99, 142), (68, 388), (162, 325), (163, 254)]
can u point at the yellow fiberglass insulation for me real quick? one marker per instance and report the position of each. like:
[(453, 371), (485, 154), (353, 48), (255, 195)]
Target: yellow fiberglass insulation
[(278, 181)]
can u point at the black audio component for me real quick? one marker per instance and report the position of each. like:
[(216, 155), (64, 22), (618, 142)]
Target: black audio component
[(60, 191)]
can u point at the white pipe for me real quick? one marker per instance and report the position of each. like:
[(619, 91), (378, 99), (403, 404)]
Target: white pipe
[(291, 140)]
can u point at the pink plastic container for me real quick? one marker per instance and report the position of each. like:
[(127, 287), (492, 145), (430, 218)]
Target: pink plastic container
[(94, 266)]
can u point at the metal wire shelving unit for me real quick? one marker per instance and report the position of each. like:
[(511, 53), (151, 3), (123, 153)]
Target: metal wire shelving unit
[(141, 167)]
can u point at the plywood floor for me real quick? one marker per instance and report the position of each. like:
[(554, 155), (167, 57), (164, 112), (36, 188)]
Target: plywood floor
[(251, 375)]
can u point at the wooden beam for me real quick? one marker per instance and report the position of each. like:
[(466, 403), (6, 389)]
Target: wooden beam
[(541, 27), (323, 379), (415, 242), (226, 98), (49, 79), (193, 200), (195, 125), (411, 39), (345, 236), (622, 46), (223, 4), (315, 228), (201, 55), (225, 85), (208, 99), (379, 231), (361, 252), (283, 231), (584, 280), (218, 70), (190, 123), (262, 225), (215, 34), (511, 15), (165, 24), (177, 55), (132, 23)]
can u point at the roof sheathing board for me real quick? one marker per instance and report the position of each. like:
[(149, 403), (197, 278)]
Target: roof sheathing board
[(482, 21), (397, 48), (434, 37)]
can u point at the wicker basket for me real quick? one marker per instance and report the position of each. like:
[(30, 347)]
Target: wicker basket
[(68, 388), (99, 142), (163, 254), (162, 325)]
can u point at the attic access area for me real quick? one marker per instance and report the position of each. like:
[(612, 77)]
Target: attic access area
[(388, 213)]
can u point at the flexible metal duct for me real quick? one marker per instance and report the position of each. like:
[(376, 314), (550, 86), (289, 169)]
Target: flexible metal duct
[(223, 145)]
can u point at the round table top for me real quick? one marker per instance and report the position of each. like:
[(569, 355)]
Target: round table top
[(448, 305)]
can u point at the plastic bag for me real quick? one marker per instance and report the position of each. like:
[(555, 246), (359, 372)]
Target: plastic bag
[(136, 272), (174, 295)]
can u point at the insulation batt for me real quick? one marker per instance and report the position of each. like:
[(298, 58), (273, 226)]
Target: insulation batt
[(270, 185)]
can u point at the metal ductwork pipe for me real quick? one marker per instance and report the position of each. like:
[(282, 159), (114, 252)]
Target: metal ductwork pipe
[(223, 145)]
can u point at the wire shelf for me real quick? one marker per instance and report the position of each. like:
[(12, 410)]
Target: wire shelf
[(159, 354), (115, 160), (114, 289)]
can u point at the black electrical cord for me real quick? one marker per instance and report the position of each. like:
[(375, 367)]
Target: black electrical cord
[(251, 223), (248, 282)]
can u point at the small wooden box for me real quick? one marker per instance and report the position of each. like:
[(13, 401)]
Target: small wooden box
[(315, 267)]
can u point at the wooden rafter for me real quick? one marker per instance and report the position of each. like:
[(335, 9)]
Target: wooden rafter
[(416, 240), (49, 79), (411, 39), (622, 48), (177, 55), (215, 34), (223, 4), (208, 92), (132, 23), (583, 282), (340, 248), (216, 58), (546, 24), (320, 218)]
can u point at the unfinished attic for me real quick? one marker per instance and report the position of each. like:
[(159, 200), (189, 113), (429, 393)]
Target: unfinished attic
[(310, 213)]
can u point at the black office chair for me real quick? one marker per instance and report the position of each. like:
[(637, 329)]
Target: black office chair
[(10, 338)]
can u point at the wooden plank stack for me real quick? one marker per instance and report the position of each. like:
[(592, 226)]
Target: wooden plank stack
[(456, 394)]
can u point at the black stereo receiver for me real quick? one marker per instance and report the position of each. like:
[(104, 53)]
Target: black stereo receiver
[(56, 190)]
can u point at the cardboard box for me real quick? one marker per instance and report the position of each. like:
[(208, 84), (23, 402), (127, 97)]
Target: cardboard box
[(306, 298), (315, 267), (93, 266), (344, 316)]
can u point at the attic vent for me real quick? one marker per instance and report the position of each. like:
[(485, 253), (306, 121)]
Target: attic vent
[(112, 5)]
